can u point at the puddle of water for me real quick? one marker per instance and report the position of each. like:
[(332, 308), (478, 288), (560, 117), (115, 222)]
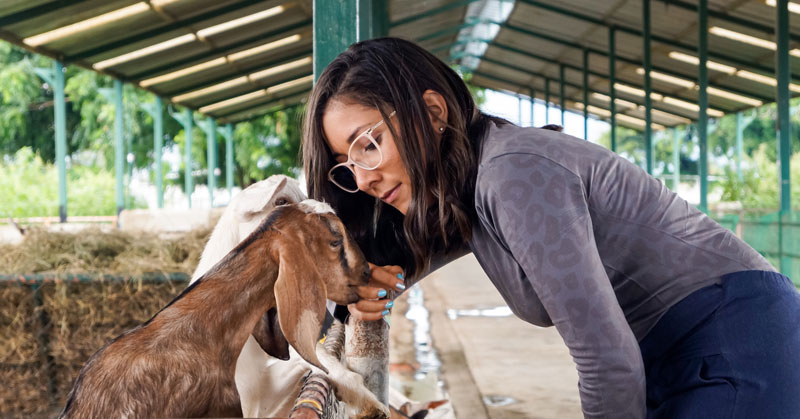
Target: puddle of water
[(498, 401), (423, 347), (500, 311)]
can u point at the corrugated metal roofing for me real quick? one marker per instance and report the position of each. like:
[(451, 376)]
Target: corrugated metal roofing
[(235, 59)]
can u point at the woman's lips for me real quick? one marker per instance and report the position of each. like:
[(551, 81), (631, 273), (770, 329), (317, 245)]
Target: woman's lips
[(391, 195)]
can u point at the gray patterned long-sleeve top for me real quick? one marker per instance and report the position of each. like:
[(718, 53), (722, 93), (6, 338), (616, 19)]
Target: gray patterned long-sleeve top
[(575, 236)]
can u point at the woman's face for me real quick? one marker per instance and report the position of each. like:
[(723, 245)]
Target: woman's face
[(389, 182)]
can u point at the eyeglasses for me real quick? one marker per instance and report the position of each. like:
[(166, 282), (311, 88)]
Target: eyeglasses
[(365, 153)]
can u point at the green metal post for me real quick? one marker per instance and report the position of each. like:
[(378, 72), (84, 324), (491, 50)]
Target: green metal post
[(60, 108), (739, 144), (648, 101), (210, 127), (533, 101), (585, 94), (335, 28), (561, 96), (227, 133), (676, 160), (373, 19), (702, 118), (612, 79), (783, 96), (158, 145), (119, 148), (784, 127), (187, 131), (546, 101)]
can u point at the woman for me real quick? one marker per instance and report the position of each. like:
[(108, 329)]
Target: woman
[(665, 313)]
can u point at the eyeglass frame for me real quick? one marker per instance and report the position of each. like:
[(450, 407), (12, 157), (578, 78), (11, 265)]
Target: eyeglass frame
[(350, 162)]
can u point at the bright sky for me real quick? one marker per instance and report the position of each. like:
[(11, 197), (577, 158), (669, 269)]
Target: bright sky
[(507, 106)]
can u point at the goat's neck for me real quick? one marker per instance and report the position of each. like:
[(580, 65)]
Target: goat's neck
[(228, 301)]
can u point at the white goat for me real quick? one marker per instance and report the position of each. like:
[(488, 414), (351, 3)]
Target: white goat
[(181, 362)]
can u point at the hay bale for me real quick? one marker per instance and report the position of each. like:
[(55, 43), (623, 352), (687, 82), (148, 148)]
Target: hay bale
[(47, 335)]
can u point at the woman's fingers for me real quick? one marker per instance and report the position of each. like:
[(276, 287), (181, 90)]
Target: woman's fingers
[(389, 277)]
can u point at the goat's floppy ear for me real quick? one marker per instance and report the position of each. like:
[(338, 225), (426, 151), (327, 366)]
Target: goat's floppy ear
[(269, 336), (258, 197), (300, 297)]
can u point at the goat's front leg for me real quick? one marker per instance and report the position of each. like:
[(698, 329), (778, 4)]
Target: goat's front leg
[(350, 387)]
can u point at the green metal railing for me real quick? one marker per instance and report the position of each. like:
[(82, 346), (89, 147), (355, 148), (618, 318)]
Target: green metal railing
[(773, 235)]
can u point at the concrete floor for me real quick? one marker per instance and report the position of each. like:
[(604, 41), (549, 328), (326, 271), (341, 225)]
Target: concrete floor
[(493, 365)]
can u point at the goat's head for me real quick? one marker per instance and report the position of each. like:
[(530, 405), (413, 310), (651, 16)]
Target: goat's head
[(254, 202), (318, 260)]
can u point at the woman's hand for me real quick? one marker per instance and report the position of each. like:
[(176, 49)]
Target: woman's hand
[(376, 297)]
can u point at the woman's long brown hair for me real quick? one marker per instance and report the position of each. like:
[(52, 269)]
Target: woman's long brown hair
[(392, 74)]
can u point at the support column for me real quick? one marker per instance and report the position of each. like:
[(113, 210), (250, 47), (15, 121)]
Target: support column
[(561, 96), (119, 148), (60, 108), (373, 19), (782, 95), (533, 102), (739, 145), (702, 117), (547, 101), (648, 101), (187, 122), (54, 76), (784, 128), (227, 133), (586, 95), (210, 127), (676, 160), (156, 111), (158, 145), (612, 79)]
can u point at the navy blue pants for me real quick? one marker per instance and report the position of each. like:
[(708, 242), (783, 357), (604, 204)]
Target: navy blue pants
[(727, 351)]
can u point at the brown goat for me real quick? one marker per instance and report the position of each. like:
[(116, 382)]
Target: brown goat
[(181, 362)]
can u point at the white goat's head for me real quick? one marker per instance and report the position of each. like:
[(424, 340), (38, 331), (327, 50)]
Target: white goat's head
[(317, 260), (254, 202)]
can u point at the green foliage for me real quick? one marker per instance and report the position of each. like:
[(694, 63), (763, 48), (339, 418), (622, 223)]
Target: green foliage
[(758, 188), (268, 145), (29, 188)]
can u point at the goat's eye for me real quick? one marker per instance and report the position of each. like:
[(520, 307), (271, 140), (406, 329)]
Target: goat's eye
[(336, 243), (281, 201)]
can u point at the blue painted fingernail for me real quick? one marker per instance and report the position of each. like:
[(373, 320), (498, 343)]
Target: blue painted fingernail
[(390, 304), (381, 293), (384, 312), (400, 286), (400, 275)]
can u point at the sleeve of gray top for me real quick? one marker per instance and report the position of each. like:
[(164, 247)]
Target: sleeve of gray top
[(539, 211)]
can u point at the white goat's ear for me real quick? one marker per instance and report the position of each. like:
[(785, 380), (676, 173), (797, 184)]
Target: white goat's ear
[(269, 336), (300, 297), (258, 197)]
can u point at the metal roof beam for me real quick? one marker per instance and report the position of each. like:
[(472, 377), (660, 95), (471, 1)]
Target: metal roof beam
[(37, 11), (243, 72), (636, 32), (598, 52), (276, 101), (688, 114), (161, 30), (726, 17), (232, 96), (435, 11), (217, 51)]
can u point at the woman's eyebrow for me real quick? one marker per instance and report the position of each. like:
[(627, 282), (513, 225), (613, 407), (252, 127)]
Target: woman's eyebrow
[(356, 132)]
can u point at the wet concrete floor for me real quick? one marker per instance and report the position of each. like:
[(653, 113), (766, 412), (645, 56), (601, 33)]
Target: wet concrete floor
[(459, 341)]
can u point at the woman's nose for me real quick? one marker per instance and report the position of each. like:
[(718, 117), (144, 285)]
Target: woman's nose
[(365, 178)]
